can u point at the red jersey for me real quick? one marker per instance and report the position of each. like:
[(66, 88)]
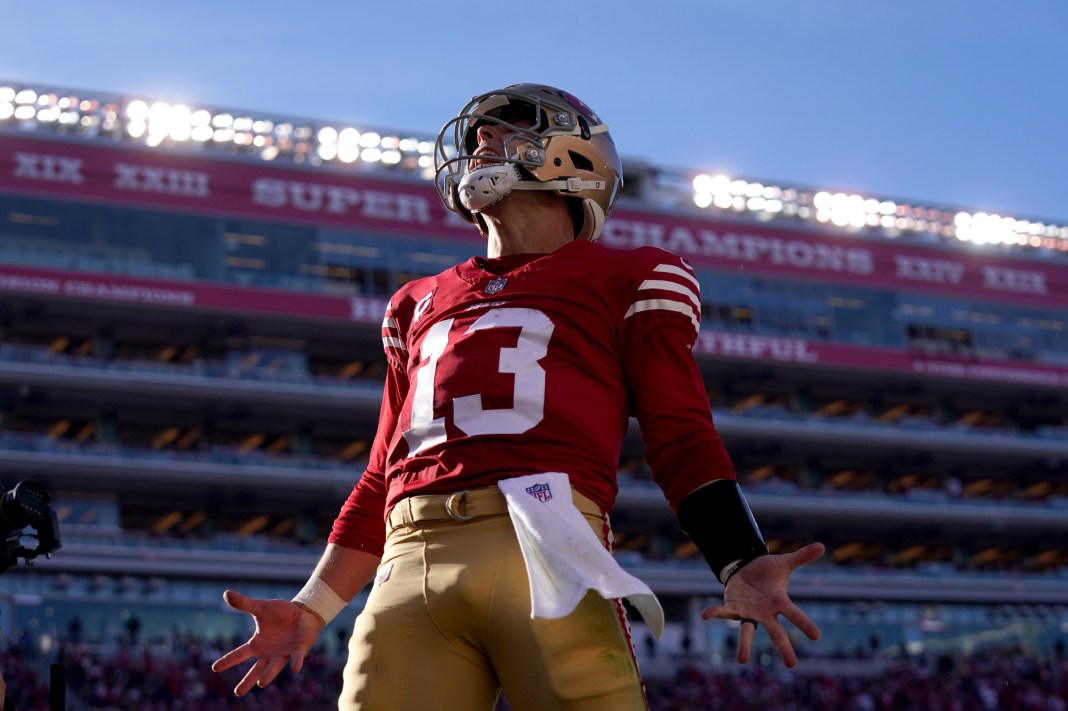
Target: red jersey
[(535, 363)]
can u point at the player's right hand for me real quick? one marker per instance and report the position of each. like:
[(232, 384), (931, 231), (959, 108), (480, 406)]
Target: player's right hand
[(284, 632)]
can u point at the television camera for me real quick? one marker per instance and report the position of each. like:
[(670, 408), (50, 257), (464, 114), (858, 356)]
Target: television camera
[(27, 504)]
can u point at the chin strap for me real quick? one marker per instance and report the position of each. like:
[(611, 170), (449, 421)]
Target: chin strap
[(490, 184), (568, 185)]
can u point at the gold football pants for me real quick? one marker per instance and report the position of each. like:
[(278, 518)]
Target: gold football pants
[(447, 624)]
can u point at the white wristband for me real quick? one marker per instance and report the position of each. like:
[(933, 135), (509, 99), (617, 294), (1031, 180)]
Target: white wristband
[(320, 599), (729, 570)]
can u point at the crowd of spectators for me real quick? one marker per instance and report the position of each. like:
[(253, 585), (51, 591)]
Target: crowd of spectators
[(174, 677), (177, 677), (1005, 679)]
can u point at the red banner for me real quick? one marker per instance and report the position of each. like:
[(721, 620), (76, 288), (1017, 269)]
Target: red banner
[(126, 175), (718, 344), (369, 311), (188, 295), (747, 248)]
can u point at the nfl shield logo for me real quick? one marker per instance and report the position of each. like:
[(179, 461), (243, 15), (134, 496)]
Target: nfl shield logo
[(495, 286), (541, 492)]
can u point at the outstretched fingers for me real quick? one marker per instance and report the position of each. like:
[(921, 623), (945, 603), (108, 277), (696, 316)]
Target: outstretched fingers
[(233, 658), (781, 640), (801, 620), (746, 633), (243, 603), (719, 611), (274, 667), (804, 556), (251, 678), (776, 632)]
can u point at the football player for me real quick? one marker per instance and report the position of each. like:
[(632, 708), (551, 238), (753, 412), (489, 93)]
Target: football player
[(511, 380)]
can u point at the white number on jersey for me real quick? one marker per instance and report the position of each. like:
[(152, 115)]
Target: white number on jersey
[(528, 405)]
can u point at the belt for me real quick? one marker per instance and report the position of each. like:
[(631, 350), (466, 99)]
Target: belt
[(466, 505)]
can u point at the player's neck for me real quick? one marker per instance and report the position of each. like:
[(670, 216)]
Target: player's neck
[(505, 243), (530, 224)]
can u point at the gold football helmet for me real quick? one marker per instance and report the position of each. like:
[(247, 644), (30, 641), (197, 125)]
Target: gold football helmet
[(559, 144)]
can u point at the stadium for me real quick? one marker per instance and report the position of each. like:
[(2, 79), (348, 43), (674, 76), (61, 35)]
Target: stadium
[(191, 363)]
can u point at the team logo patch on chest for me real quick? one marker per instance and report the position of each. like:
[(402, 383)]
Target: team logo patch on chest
[(496, 286), (541, 492)]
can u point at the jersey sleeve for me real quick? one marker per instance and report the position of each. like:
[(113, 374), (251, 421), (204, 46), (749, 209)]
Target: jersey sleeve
[(667, 393), (361, 522), (682, 446), (664, 293)]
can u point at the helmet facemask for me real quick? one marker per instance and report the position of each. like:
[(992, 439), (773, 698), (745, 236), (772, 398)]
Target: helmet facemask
[(557, 144)]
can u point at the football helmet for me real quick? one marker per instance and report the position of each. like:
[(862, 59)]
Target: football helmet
[(559, 144)]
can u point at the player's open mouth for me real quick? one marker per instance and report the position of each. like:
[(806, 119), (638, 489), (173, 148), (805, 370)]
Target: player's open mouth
[(481, 160)]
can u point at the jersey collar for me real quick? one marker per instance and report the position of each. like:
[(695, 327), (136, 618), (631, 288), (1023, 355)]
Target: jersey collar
[(476, 269)]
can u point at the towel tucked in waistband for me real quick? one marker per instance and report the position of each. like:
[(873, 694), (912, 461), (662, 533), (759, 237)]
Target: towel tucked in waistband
[(563, 556)]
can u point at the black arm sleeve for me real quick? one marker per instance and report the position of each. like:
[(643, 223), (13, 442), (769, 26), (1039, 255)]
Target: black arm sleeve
[(718, 519)]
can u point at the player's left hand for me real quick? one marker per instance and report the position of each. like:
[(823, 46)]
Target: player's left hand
[(758, 592)]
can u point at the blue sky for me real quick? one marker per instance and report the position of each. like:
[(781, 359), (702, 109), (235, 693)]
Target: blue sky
[(954, 102)]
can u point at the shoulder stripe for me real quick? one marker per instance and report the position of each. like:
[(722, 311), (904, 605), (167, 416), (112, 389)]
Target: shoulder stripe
[(671, 286), (672, 269), (391, 331), (664, 305)]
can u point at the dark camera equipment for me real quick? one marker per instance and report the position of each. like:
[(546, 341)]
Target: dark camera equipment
[(27, 505)]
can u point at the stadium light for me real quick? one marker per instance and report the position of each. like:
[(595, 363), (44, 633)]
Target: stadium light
[(163, 125), (854, 213), (137, 110)]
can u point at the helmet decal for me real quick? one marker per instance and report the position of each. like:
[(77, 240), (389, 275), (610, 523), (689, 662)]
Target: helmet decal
[(577, 103)]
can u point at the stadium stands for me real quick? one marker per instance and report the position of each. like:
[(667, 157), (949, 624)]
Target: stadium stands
[(190, 361)]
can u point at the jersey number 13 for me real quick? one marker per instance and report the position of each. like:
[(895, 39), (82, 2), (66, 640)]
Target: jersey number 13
[(528, 406)]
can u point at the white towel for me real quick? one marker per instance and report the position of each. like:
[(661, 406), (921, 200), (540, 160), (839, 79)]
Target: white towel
[(564, 557)]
